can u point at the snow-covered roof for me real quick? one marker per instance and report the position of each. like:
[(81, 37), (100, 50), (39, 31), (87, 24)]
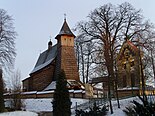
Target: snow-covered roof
[(51, 86), (129, 88), (74, 83), (71, 91), (30, 92), (78, 91), (45, 92), (45, 58)]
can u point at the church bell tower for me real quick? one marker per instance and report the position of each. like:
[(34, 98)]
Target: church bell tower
[(66, 59)]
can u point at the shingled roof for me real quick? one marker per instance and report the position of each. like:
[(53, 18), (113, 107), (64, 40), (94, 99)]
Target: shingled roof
[(45, 58), (65, 30)]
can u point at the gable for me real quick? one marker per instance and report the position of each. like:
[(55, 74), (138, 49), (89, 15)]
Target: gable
[(127, 48)]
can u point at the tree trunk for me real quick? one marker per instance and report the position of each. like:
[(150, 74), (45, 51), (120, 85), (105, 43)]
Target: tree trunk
[(110, 74), (82, 58)]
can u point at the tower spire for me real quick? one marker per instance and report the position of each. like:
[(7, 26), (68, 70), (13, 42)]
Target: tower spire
[(65, 16), (50, 43), (65, 30)]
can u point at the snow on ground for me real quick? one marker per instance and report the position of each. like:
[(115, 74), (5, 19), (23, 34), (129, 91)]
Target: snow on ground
[(123, 104), (78, 101), (45, 105), (19, 113), (38, 105)]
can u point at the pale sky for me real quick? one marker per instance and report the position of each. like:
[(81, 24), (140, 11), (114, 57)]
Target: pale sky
[(36, 20)]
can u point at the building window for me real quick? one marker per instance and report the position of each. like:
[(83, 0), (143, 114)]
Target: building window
[(132, 63)]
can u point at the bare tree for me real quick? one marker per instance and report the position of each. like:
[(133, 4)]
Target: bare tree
[(7, 45), (7, 37), (15, 83), (148, 61), (85, 51), (80, 57), (111, 24)]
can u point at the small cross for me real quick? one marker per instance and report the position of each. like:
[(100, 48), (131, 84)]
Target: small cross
[(50, 37)]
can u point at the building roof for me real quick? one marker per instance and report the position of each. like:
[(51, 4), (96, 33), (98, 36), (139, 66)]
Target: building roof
[(65, 30), (51, 86), (70, 83), (130, 45), (45, 58)]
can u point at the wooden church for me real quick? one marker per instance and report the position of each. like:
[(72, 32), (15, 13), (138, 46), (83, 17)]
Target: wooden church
[(52, 60), (129, 70)]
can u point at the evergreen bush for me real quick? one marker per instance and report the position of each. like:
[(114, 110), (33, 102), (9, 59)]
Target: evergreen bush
[(61, 100)]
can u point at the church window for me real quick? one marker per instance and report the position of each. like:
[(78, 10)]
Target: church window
[(126, 53)]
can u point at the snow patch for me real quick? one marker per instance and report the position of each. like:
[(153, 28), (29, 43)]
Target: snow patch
[(31, 92), (19, 113), (39, 105), (78, 91), (128, 88), (44, 92)]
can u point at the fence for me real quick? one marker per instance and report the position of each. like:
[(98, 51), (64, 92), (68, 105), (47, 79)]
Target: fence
[(45, 94), (90, 103)]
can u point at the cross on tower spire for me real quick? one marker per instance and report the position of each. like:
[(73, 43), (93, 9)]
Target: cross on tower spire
[(50, 37)]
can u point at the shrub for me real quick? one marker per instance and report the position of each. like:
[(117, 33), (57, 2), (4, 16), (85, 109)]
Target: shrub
[(95, 111), (145, 109)]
